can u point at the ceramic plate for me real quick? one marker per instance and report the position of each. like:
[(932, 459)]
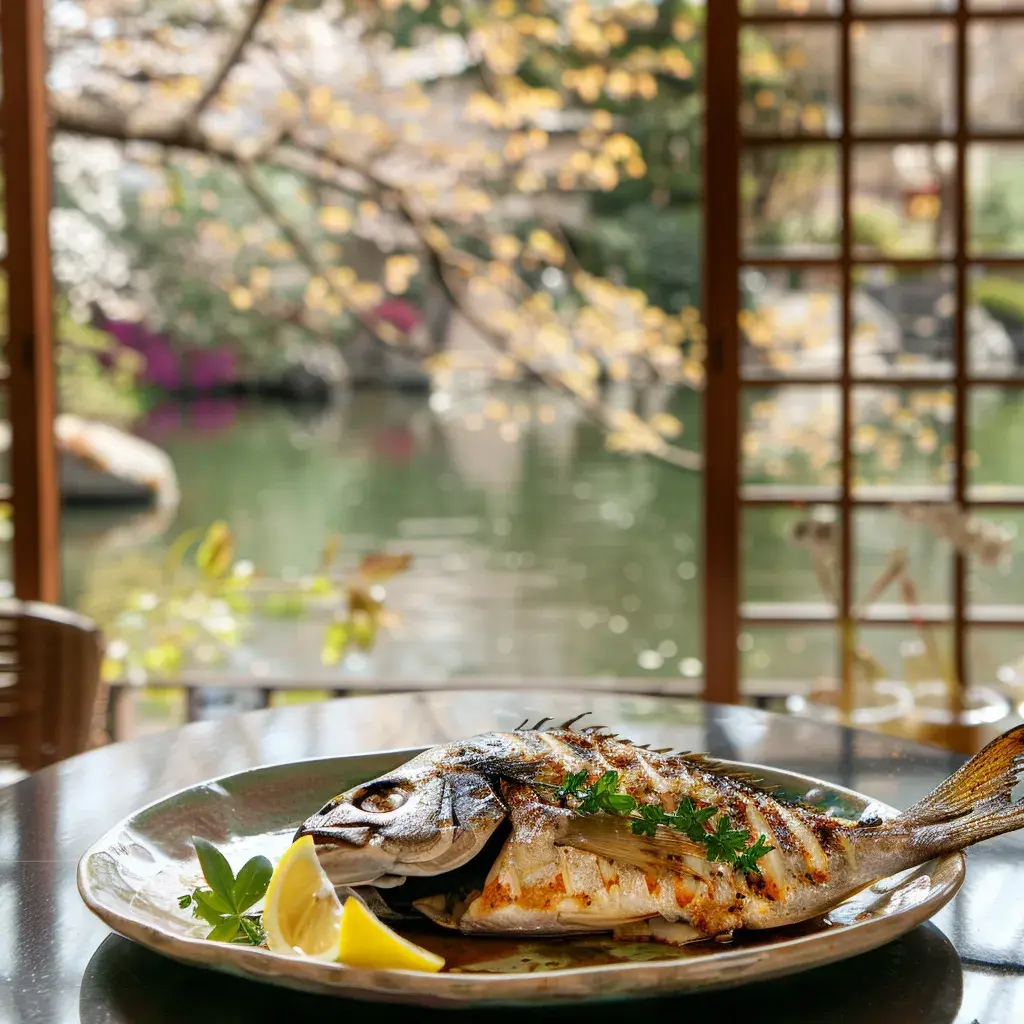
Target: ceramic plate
[(133, 876)]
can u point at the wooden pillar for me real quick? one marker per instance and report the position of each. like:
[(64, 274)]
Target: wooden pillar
[(30, 392), (722, 392)]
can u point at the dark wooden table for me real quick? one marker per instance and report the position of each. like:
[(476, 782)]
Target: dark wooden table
[(58, 963)]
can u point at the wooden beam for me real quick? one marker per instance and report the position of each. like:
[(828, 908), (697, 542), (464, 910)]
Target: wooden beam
[(30, 397), (722, 390)]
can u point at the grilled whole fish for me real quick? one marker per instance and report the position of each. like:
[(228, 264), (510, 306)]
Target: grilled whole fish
[(559, 872)]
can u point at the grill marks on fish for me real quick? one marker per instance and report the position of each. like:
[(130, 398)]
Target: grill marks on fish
[(539, 886), (549, 866), (558, 871)]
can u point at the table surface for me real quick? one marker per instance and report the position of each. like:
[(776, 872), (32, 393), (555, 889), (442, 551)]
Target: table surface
[(59, 963)]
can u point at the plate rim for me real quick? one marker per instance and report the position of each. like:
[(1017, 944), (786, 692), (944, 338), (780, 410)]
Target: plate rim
[(445, 989)]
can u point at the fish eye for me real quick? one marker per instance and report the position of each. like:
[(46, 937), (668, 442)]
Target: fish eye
[(381, 800)]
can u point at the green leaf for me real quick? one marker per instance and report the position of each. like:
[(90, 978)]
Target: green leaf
[(216, 870), (747, 860), (209, 906), (252, 933), (654, 813), (725, 842), (571, 785), (251, 883), (643, 828), (690, 820), (336, 640), (620, 803), (185, 901), (225, 931)]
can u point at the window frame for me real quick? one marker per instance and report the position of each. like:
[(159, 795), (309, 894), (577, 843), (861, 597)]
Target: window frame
[(726, 499)]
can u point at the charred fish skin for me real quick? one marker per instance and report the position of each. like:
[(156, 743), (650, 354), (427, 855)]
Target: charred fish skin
[(559, 872)]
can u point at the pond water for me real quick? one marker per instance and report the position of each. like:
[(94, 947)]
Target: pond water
[(536, 551)]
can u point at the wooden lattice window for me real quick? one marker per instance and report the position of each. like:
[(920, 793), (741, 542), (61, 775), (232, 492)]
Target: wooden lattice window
[(865, 307)]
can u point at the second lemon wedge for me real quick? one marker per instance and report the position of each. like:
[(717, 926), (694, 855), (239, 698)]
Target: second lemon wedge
[(367, 942), (302, 913)]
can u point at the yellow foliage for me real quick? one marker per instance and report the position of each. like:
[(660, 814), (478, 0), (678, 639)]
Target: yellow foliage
[(341, 277), (288, 103), (667, 425), (543, 245), (279, 249), (515, 147), (336, 219), (646, 85), (580, 161), (604, 173), (364, 294), (615, 34), (683, 28), (502, 47), (216, 551), (505, 247), (399, 272), (675, 62), (529, 181), (320, 104), (620, 84), (240, 297), (316, 291), (620, 146)]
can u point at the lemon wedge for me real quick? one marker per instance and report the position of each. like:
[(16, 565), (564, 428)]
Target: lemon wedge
[(367, 942), (301, 913)]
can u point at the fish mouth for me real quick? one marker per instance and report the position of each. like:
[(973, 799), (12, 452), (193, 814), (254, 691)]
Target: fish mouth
[(347, 856), (346, 864), (350, 837)]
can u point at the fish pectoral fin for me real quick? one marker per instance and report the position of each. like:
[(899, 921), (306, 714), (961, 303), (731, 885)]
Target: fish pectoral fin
[(613, 838), (599, 922), (442, 911), (670, 933)]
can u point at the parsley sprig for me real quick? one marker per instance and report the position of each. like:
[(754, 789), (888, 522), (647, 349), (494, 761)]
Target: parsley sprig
[(224, 904), (720, 840)]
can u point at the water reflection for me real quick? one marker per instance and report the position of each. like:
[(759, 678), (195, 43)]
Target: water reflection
[(915, 978), (541, 553), (537, 552)]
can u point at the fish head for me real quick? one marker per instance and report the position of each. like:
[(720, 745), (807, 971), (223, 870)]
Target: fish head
[(430, 816)]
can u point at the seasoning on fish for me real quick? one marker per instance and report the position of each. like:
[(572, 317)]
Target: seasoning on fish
[(595, 834)]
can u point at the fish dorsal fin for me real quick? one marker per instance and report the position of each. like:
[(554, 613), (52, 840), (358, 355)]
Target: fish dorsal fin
[(611, 837), (524, 725), (706, 763)]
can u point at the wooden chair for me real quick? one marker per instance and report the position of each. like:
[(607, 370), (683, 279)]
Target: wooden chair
[(50, 662)]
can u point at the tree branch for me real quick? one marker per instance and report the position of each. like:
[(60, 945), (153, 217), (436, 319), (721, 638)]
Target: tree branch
[(231, 58), (75, 118), (303, 250), (266, 203), (591, 407)]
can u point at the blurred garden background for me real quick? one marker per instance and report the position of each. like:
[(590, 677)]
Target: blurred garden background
[(403, 299)]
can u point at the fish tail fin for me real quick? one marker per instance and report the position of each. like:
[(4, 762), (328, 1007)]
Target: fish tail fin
[(975, 802)]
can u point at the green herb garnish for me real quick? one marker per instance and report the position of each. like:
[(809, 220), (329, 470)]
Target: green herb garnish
[(722, 842), (748, 858), (224, 904), (571, 785)]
